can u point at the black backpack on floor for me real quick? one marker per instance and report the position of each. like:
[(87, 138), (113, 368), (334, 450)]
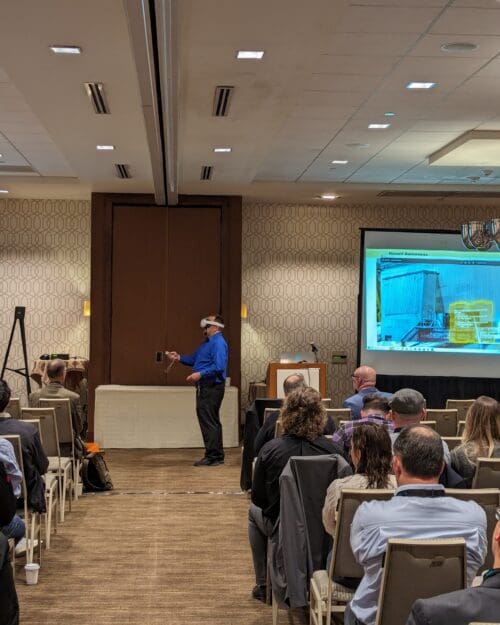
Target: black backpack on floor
[(95, 474)]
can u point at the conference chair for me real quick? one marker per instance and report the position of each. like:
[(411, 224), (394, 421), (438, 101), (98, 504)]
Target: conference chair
[(278, 429), (487, 473), (300, 543), (446, 420), (429, 424), (460, 405), (460, 427), (61, 466), (338, 415), (489, 500), (51, 490), (326, 401), (338, 584), (62, 407), (418, 569), (30, 517), (452, 441), (268, 412), (14, 408)]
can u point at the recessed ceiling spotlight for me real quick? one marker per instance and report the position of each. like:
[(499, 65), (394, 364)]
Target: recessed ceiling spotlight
[(223, 149), (328, 196), (1, 155), (389, 114), (378, 126), (250, 54), (3, 191), (66, 49), (459, 46), (339, 162), (420, 85), (105, 147)]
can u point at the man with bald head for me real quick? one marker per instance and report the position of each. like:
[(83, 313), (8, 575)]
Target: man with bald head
[(363, 381)]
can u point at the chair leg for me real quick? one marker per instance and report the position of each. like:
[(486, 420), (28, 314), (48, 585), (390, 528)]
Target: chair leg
[(48, 519), (62, 496), (275, 610)]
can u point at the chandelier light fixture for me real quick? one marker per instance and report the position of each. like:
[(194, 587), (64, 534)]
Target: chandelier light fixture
[(480, 235)]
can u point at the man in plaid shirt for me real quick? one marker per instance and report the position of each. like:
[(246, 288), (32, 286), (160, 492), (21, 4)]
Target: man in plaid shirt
[(375, 410)]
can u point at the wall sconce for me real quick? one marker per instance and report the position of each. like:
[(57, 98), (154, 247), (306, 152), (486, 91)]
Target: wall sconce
[(244, 312), (86, 308)]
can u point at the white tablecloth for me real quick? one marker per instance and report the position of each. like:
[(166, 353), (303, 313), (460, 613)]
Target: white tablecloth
[(156, 417)]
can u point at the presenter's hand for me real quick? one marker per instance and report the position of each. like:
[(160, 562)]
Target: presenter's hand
[(172, 355), (194, 377)]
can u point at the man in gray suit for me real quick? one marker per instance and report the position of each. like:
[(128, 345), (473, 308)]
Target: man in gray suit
[(462, 607)]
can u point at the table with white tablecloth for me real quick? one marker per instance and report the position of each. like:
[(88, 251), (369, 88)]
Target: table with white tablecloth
[(148, 417)]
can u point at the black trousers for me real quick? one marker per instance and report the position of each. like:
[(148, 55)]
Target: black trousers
[(9, 607), (209, 396)]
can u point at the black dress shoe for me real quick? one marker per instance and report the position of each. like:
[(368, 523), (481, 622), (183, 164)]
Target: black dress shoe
[(207, 462), (259, 593)]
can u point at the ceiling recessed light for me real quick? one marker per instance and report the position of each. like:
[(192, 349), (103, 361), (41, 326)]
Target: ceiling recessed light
[(250, 54), (223, 149), (420, 85), (459, 46), (1, 155), (66, 49), (339, 162), (105, 147), (3, 191), (328, 196), (378, 126), (389, 114)]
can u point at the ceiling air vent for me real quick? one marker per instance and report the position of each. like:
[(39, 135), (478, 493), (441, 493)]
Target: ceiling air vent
[(122, 171), (206, 172), (95, 91), (222, 99), (442, 194)]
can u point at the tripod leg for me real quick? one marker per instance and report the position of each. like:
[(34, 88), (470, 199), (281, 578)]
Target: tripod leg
[(8, 348), (25, 354)]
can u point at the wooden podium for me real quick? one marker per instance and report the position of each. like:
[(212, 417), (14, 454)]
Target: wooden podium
[(313, 372)]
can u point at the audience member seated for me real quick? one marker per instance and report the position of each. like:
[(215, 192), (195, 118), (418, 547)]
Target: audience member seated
[(479, 604), (303, 418), (363, 381), (407, 407), (375, 410), (418, 510), (371, 455), (480, 439), (55, 389), (15, 527), (35, 460)]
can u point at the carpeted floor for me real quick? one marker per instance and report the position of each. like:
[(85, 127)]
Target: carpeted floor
[(168, 546)]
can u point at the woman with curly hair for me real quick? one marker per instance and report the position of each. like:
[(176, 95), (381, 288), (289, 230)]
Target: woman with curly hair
[(371, 456), (480, 439), (303, 419)]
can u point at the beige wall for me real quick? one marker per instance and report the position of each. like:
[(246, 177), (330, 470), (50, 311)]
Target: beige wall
[(45, 266), (300, 278)]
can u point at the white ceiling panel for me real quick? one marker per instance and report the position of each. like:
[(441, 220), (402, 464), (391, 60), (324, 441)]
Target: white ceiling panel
[(371, 44), (337, 83), (400, 3), (430, 45), (356, 64), (384, 19), (458, 21)]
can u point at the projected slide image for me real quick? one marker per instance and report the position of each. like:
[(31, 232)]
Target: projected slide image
[(429, 300)]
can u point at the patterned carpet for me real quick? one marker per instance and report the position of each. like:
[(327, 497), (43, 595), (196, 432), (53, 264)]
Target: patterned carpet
[(168, 546)]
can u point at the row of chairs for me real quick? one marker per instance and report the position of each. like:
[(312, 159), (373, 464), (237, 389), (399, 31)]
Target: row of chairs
[(54, 424)]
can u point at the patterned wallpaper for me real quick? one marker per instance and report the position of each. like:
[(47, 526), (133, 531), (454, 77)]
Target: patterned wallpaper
[(45, 266), (300, 278)]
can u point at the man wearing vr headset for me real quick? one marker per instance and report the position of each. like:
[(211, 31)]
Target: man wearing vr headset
[(209, 363)]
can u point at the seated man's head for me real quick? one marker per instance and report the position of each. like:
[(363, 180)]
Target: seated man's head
[(418, 456), (4, 395), (303, 414), (364, 377), (292, 382), (375, 406), (407, 407), (56, 370)]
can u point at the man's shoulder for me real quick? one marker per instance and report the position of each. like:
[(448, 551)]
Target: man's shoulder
[(351, 400), (15, 426)]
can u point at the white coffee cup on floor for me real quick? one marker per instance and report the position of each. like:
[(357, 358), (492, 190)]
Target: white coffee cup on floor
[(31, 571)]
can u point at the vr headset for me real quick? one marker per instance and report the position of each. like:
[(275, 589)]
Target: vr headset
[(204, 323)]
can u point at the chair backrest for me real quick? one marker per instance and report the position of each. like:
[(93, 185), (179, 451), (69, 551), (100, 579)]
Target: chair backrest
[(278, 429), (460, 427), (460, 405), (15, 440), (37, 425), (268, 412), (487, 473), (452, 441), (429, 424), (446, 420), (62, 409), (488, 499), (48, 425), (326, 401), (14, 407), (433, 566), (343, 563), (338, 415)]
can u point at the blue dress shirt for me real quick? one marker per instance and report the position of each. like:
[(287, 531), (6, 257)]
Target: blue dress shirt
[(210, 359), (8, 459), (411, 517)]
